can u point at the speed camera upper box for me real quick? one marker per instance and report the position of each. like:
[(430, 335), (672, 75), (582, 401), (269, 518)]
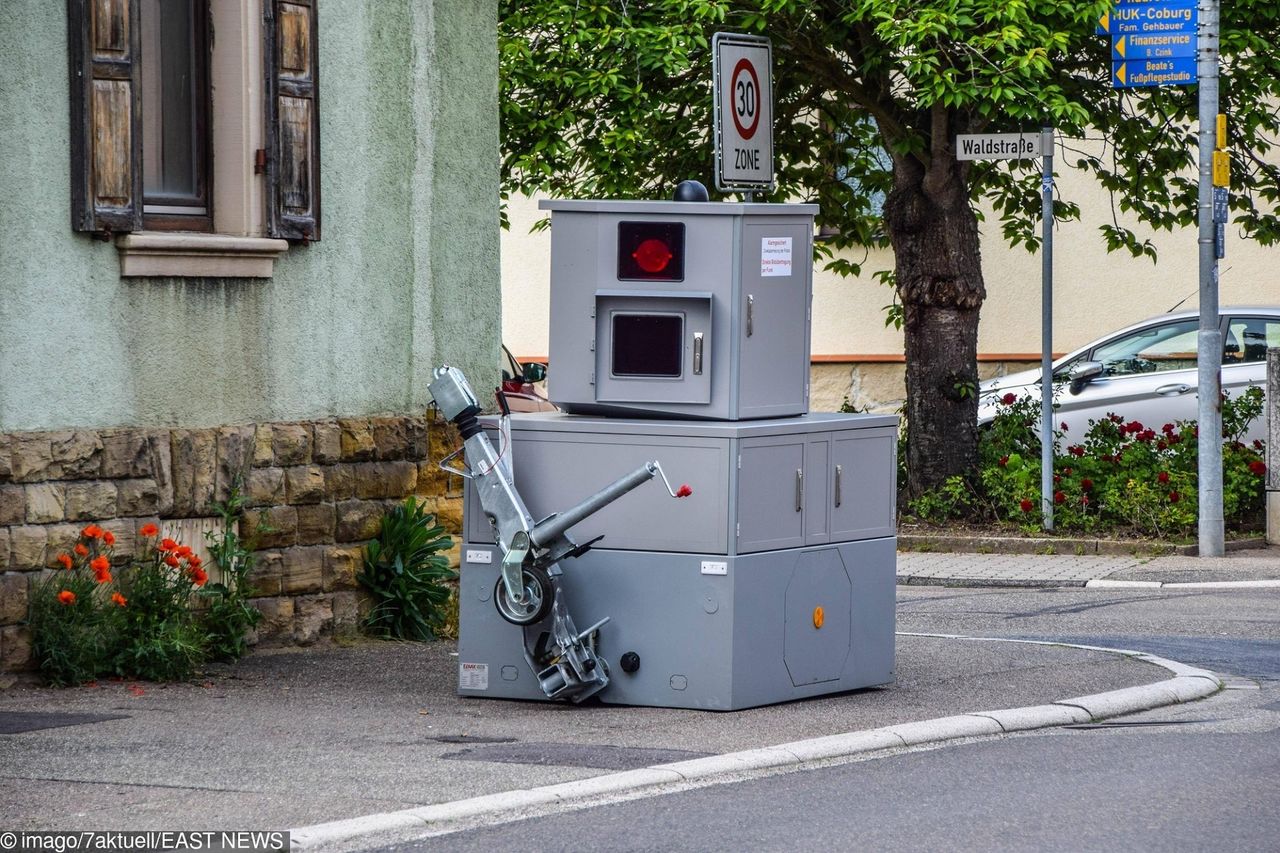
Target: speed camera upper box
[(680, 309)]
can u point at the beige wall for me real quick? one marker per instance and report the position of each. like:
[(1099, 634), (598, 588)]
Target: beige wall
[(1094, 293)]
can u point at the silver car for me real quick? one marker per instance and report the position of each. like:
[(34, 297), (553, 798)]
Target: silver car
[(1147, 372)]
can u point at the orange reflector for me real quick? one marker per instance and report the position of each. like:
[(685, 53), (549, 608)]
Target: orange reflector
[(818, 617)]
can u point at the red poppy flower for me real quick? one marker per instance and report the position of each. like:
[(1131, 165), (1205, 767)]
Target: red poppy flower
[(148, 530), (1146, 435), (1086, 484), (183, 551), (1002, 461), (93, 531), (1026, 505), (1174, 497), (198, 576), (102, 575), (1009, 399), (81, 549), (1076, 450), (65, 559), (1057, 479), (1167, 429), (195, 560), (1258, 467), (166, 545), (1059, 497), (1162, 477), (100, 564), (172, 561), (1162, 445), (109, 538), (67, 597), (118, 599)]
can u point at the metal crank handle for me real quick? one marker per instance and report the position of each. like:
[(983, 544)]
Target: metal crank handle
[(683, 492)]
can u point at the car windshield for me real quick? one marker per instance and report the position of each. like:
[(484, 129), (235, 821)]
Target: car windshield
[(1168, 347)]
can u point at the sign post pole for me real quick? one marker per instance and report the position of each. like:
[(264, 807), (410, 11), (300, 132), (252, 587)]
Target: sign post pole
[(1046, 330), (1209, 342)]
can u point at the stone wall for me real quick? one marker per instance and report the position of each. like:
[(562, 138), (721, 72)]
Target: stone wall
[(321, 485)]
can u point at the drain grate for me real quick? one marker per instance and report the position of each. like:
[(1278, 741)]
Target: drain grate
[(17, 722), (573, 755)]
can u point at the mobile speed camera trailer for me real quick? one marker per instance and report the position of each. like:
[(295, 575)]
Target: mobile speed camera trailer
[(679, 342)]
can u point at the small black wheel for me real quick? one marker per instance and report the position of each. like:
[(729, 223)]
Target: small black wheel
[(537, 598)]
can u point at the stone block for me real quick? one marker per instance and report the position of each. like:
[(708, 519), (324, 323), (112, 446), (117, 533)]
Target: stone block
[(195, 458), (27, 547), (160, 462), (46, 502), (302, 569), (126, 534), (358, 520), (314, 617), (263, 455), (449, 515), (291, 444), (13, 505), (125, 453), (31, 458), (6, 469), (91, 501), (418, 434), (4, 548), (137, 497), (277, 617), (15, 648), (341, 565), (346, 614), (390, 437), (13, 597), (60, 539), (264, 578), (386, 479), (235, 458), (265, 486), (316, 524), (304, 484), (326, 442), (79, 452), (273, 527), (339, 482), (356, 440)]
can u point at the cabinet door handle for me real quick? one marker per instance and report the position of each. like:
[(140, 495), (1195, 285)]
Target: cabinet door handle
[(839, 472), (799, 489), (697, 353), (751, 314)]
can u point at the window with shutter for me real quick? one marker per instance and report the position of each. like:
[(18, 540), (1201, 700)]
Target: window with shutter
[(165, 136)]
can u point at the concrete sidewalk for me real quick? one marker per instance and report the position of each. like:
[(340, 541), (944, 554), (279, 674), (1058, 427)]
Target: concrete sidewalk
[(1255, 567)]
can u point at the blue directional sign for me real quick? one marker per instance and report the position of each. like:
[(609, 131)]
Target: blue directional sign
[(1149, 17), (1179, 71), (1158, 46)]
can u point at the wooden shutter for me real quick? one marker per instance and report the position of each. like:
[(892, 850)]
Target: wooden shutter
[(293, 120), (106, 92)]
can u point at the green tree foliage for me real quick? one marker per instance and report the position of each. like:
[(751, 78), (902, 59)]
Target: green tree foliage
[(612, 99)]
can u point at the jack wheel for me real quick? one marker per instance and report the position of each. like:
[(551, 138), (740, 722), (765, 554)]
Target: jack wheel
[(537, 598)]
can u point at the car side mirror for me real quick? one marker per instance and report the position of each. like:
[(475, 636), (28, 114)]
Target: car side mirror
[(535, 372), (1082, 373)]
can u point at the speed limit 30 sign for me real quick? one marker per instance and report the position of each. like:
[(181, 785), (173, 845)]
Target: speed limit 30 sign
[(742, 73)]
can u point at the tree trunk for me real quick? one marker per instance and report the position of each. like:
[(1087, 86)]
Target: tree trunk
[(939, 277)]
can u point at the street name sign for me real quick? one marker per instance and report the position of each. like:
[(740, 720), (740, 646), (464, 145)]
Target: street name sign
[(998, 146), (1179, 71), (1159, 46), (743, 101)]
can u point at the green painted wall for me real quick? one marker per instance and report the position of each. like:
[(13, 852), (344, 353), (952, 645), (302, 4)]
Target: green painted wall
[(405, 278)]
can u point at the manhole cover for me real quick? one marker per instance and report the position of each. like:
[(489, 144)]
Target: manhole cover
[(16, 722), (574, 755)]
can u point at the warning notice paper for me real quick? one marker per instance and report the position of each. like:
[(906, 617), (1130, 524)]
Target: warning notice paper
[(775, 256)]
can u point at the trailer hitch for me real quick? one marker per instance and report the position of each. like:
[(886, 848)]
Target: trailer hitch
[(528, 592)]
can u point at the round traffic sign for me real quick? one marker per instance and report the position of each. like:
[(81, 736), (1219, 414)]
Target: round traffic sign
[(744, 87)]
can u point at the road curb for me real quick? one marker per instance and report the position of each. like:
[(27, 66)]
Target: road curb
[(1103, 583), (1189, 683)]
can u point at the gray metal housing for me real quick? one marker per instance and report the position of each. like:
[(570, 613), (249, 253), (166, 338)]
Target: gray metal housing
[(743, 344)]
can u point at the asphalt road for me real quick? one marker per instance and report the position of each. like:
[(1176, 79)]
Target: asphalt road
[(1199, 776)]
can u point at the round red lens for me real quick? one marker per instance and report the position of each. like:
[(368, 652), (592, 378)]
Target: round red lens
[(652, 255)]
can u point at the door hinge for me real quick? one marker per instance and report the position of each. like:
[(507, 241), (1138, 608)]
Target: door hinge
[(260, 161)]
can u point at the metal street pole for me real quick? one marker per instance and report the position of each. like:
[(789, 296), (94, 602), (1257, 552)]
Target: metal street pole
[(1209, 357), (1046, 330)]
